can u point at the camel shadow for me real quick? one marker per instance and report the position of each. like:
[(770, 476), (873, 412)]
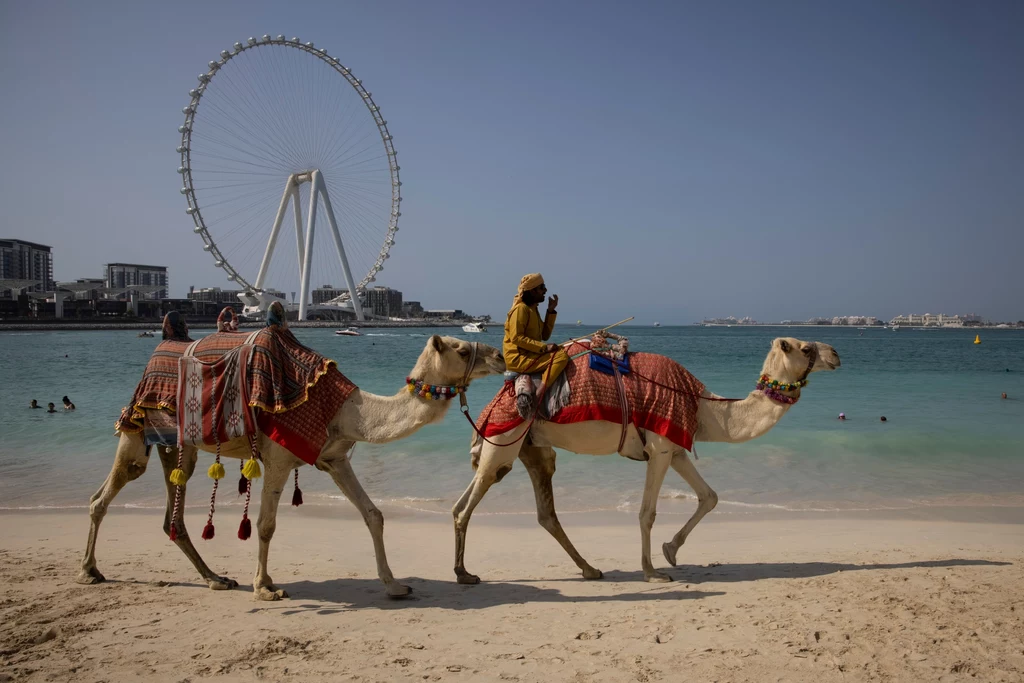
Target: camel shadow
[(344, 595), (756, 571)]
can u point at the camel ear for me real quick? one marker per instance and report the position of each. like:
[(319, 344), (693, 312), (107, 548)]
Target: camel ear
[(784, 346), (436, 342)]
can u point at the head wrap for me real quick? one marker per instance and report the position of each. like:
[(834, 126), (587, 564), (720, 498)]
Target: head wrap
[(275, 315), (227, 321), (175, 327), (526, 283)]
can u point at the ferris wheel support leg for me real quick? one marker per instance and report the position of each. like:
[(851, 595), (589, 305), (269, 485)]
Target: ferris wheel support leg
[(297, 206), (307, 258), (289, 189), (357, 305)]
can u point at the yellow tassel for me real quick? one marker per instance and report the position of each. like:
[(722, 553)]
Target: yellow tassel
[(251, 469), (216, 471), (178, 477)]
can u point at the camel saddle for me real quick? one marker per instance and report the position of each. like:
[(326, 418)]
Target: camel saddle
[(659, 396), (234, 380)]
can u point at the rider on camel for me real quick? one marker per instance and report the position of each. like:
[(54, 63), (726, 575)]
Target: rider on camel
[(526, 332)]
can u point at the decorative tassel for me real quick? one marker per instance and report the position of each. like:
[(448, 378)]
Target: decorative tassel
[(297, 495), (208, 531), (178, 477), (243, 484), (252, 469), (245, 529), (216, 471), (174, 532)]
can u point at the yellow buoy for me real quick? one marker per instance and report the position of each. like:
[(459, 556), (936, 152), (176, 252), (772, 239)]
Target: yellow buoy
[(977, 339)]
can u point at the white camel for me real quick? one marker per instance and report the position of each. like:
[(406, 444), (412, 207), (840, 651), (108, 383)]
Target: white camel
[(445, 361), (789, 361)]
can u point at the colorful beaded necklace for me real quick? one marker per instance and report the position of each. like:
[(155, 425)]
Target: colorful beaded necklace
[(433, 392), (773, 388)]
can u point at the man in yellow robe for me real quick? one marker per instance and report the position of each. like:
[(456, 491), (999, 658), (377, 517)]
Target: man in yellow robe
[(524, 345)]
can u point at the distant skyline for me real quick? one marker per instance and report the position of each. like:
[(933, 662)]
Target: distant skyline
[(667, 161)]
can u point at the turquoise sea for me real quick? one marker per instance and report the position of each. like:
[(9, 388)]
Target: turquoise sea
[(950, 440)]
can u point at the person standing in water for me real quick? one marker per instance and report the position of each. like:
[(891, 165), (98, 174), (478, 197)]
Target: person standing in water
[(68, 405), (50, 408), (33, 404)]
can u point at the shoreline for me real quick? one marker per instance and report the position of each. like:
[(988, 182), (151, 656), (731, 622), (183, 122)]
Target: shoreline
[(752, 600), (154, 325)]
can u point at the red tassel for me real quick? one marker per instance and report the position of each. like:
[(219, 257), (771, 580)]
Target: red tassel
[(245, 529), (208, 531), (243, 485), (174, 532), (297, 497)]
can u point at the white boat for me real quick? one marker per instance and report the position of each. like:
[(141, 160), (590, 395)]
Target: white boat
[(657, 324), (474, 327), (349, 332)]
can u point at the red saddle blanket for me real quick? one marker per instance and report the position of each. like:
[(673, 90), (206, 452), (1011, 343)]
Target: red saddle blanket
[(663, 398), (294, 391)]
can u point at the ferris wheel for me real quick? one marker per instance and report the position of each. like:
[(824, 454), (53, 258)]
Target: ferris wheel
[(277, 123)]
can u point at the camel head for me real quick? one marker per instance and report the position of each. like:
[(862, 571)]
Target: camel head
[(444, 361), (791, 360)]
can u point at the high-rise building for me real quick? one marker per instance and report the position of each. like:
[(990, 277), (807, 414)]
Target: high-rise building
[(125, 275), (383, 301), (21, 260)]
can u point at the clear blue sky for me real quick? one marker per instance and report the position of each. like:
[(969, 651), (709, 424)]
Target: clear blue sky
[(665, 160)]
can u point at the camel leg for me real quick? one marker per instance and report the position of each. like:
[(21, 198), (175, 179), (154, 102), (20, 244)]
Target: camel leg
[(169, 460), (129, 463), (495, 463), (707, 499), (277, 467), (657, 466), (334, 460), (540, 464)]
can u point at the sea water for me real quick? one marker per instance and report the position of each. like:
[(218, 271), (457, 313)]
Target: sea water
[(949, 438)]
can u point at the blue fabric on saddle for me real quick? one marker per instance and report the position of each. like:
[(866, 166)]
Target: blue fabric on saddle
[(604, 364)]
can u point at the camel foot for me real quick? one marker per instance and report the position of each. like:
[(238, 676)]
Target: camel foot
[(221, 583), (270, 594), (657, 577), (465, 578), (90, 576), (592, 574), (397, 590), (670, 553)]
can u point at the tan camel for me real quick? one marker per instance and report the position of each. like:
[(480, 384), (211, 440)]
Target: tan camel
[(362, 417), (789, 361)]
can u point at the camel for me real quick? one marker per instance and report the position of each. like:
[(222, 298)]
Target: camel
[(789, 361), (365, 417)]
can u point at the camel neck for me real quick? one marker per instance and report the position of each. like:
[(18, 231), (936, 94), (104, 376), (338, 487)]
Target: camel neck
[(380, 419), (738, 421)]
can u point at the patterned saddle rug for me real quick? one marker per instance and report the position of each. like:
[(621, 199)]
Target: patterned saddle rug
[(292, 391), (662, 397)]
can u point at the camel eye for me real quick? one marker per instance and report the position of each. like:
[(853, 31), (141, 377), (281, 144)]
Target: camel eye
[(463, 352)]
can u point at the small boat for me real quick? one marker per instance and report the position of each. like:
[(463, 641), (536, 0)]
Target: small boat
[(349, 332), (474, 327), (657, 324), (146, 333), (578, 323)]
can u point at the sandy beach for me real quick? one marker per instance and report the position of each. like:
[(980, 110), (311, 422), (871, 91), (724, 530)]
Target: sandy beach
[(793, 598)]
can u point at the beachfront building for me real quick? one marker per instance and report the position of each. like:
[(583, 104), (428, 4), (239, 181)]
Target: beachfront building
[(445, 314), (151, 280), (933, 320), (380, 301), (21, 260), (857, 320), (412, 309)]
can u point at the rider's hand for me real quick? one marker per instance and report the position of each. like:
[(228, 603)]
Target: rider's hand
[(552, 303), (551, 348)]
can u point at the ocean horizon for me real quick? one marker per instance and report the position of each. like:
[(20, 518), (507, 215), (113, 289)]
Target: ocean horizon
[(950, 440)]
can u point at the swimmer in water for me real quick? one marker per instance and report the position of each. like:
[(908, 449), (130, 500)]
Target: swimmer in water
[(842, 416), (883, 419), (34, 404), (49, 408), (1004, 396), (68, 405)]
